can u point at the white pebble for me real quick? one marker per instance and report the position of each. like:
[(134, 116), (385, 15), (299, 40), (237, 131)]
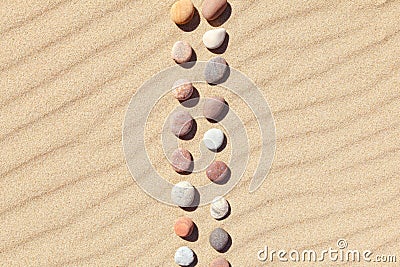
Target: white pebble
[(184, 256), (183, 194), (213, 39), (213, 139), (219, 208)]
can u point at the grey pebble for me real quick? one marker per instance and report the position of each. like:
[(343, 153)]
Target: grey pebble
[(184, 256), (183, 194), (215, 70), (214, 107), (219, 239), (181, 123)]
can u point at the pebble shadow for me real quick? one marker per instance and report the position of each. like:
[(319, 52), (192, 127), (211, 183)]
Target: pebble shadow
[(193, 100), (228, 245), (223, 17), (195, 261), (192, 24), (194, 236)]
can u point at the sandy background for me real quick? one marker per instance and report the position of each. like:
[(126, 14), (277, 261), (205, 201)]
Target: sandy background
[(330, 71)]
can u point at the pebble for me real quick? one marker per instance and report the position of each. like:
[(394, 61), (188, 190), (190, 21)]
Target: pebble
[(181, 52), (214, 107), (217, 171), (212, 9), (213, 39), (181, 160), (219, 239), (183, 194), (215, 70), (182, 11), (213, 139), (182, 89), (181, 123), (184, 226), (219, 208), (184, 256), (219, 262)]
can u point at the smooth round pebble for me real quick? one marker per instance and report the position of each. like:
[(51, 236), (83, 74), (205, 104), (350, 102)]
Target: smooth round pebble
[(219, 262), (213, 39), (183, 226), (215, 70), (182, 89), (217, 171), (214, 107), (219, 239), (212, 9), (181, 52), (181, 123), (219, 208), (183, 194), (181, 160), (184, 256), (213, 138), (182, 11)]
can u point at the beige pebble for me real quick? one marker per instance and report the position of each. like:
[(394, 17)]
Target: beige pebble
[(182, 11), (182, 89), (181, 52)]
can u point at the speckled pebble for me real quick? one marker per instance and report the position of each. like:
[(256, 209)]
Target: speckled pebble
[(182, 11), (216, 69), (217, 171), (214, 107), (219, 239), (183, 194), (181, 160), (182, 89), (213, 139), (181, 52), (212, 9), (213, 39), (219, 208), (184, 256), (219, 262), (181, 123), (183, 226)]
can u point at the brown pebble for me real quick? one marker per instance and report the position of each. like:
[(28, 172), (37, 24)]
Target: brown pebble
[(219, 262), (217, 171), (212, 9), (182, 11), (181, 123), (184, 226), (182, 89), (181, 52), (213, 108), (181, 160)]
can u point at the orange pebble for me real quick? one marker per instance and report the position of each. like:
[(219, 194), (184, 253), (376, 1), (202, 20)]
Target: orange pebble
[(219, 262), (183, 226)]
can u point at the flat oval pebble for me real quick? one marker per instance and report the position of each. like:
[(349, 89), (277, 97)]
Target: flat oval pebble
[(181, 52), (182, 89), (184, 256), (183, 226), (219, 262), (183, 194), (215, 70), (217, 171), (182, 11), (219, 239), (213, 39), (181, 160), (212, 9), (214, 107), (219, 208), (181, 123), (213, 139)]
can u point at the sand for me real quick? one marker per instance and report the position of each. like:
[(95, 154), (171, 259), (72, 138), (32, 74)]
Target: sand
[(68, 69)]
